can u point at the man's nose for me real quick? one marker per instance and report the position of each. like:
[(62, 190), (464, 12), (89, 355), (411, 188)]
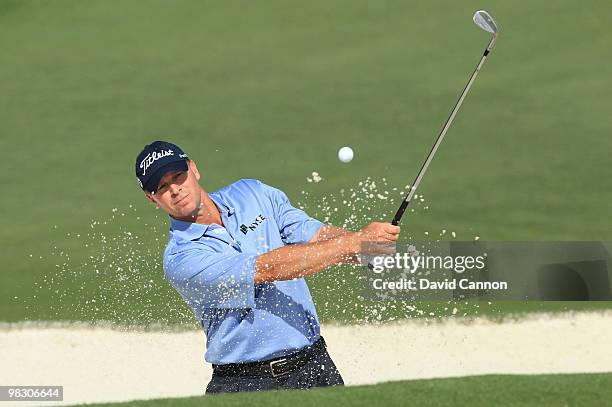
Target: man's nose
[(174, 189)]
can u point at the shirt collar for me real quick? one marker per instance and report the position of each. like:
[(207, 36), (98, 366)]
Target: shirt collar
[(191, 230), (187, 230), (223, 207)]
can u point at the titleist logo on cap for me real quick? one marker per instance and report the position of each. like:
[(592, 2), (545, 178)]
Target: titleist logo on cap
[(152, 157)]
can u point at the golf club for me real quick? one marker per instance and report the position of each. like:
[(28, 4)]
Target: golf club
[(485, 21)]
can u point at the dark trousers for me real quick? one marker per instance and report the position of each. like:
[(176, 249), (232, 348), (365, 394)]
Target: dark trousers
[(318, 371)]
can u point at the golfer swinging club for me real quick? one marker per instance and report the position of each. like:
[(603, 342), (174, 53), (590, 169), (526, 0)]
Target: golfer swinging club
[(238, 257)]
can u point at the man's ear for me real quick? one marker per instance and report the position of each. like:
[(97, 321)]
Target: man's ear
[(151, 198), (194, 168)]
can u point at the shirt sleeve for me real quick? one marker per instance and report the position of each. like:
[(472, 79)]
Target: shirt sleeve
[(295, 226), (213, 280)]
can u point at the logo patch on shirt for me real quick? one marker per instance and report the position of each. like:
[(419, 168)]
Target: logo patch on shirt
[(258, 220)]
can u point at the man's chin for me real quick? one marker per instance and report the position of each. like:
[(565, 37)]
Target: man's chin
[(187, 211)]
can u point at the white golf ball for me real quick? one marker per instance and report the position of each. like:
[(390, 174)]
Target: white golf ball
[(345, 154)]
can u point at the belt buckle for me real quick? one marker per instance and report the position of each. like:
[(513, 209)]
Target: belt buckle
[(274, 363)]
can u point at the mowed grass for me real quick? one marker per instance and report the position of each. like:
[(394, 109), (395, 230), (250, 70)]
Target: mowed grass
[(271, 91), (494, 390)]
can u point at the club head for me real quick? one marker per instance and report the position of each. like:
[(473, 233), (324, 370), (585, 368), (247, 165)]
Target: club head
[(485, 21)]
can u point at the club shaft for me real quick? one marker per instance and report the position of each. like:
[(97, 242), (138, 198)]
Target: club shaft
[(417, 181)]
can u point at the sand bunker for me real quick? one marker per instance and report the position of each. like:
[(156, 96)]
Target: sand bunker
[(96, 364)]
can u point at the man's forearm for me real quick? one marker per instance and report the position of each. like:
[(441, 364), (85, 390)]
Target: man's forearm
[(292, 261), (327, 232)]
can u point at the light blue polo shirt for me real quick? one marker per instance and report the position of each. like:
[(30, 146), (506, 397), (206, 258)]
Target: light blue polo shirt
[(213, 268)]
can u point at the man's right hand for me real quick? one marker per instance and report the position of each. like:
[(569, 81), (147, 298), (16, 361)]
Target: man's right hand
[(376, 238)]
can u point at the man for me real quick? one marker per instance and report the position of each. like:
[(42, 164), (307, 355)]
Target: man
[(238, 257)]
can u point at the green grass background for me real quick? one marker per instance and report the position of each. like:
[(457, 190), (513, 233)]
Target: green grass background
[(494, 390), (271, 90)]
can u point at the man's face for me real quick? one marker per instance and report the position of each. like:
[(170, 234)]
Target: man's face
[(179, 193)]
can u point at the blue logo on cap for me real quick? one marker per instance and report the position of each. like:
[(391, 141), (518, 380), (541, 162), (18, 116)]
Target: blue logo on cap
[(151, 158)]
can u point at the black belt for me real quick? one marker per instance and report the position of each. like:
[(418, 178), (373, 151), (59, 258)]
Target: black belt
[(273, 367)]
